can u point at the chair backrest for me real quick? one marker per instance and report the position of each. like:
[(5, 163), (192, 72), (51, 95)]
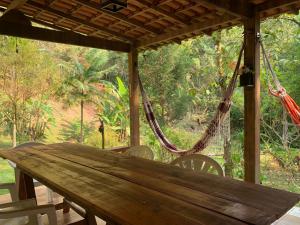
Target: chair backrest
[(199, 162), (141, 151)]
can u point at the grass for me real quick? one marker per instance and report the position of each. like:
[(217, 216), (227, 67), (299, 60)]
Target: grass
[(6, 174)]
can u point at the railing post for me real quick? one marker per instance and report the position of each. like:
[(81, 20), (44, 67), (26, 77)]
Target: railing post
[(252, 101), (134, 97)]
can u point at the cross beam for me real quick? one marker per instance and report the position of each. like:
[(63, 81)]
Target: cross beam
[(269, 5), (15, 4), (36, 33), (200, 26), (241, 9)]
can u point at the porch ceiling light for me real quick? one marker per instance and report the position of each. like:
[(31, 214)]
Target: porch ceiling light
[(113, 5)]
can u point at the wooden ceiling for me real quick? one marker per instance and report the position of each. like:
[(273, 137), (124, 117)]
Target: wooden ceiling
[(147, 23)]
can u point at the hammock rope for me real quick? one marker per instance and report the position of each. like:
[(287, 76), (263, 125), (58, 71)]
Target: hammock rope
[(278, 91), (210, 131)]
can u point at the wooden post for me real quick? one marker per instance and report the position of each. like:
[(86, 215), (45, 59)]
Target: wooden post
[(134, 97), (252, 101)]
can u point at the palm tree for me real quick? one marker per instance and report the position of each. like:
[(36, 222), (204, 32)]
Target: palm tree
[(80, 86)]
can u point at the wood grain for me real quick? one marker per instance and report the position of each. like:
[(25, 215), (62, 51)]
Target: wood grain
[(127, 190)]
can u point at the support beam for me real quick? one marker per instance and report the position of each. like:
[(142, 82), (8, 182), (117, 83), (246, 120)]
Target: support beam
[(134, 97), (252, 101), (118, 16), (195, 27), (15, 4), (80, 21), (241, 9), (36, 33)]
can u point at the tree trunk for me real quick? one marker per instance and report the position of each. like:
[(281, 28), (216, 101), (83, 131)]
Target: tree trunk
[(285, 130), (81, 121), (228, 165), (14, 134), (14, 129), (14, 126)]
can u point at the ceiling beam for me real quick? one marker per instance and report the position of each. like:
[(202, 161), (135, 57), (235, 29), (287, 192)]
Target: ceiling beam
[(15, 4), (241, 9), (196, 27), (42, 34), (163, 12), (80, 21), (269, 5), (118, 16)]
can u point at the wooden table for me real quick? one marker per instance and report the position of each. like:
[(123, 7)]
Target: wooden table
[(132, 191)]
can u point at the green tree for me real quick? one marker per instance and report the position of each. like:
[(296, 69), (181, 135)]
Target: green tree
[(81, 85), (26, 74)]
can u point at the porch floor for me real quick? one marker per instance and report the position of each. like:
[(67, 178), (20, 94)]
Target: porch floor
[(291, 218), (63, 219)]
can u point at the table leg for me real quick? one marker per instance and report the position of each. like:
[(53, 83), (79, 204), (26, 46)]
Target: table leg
[(26, 187), (90, 218)]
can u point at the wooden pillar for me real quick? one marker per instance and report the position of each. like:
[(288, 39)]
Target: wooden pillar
[(134, 97), (252, 101)]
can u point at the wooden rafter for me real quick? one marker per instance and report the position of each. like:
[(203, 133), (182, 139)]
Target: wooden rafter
[(15, 4), (36, 33), (241, 9), (81, 21), (200, 26), (118, 16), (269, 5), (163, 12)]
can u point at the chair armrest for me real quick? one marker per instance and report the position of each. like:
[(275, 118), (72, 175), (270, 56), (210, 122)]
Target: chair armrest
[(19, 204), (7, 185), (32, 210), (119, 149), (13, 190)]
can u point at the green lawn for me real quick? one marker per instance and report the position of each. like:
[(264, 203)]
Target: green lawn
[(6, 174)]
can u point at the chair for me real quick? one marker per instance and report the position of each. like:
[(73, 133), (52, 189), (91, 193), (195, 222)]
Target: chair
[(26, 212), (141, 151), (200, 163), (36, 183)]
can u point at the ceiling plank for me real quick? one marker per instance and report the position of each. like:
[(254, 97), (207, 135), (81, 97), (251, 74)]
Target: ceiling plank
[(15, 4), (118, 16), (200, 26), (269, 5), (81, 21), (162, 12), (42, 34), (241, 9)]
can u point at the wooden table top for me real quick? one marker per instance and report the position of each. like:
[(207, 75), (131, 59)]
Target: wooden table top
[(133, 191)]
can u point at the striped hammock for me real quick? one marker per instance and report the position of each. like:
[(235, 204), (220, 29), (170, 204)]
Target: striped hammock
[(278, 91), (211, 130)]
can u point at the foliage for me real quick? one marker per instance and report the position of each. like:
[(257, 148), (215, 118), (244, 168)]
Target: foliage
[(114, 107), (184, 83), (25, 76), (71, 131)]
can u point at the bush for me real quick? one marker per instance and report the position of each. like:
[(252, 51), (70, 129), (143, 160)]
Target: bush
[(111, 139)]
